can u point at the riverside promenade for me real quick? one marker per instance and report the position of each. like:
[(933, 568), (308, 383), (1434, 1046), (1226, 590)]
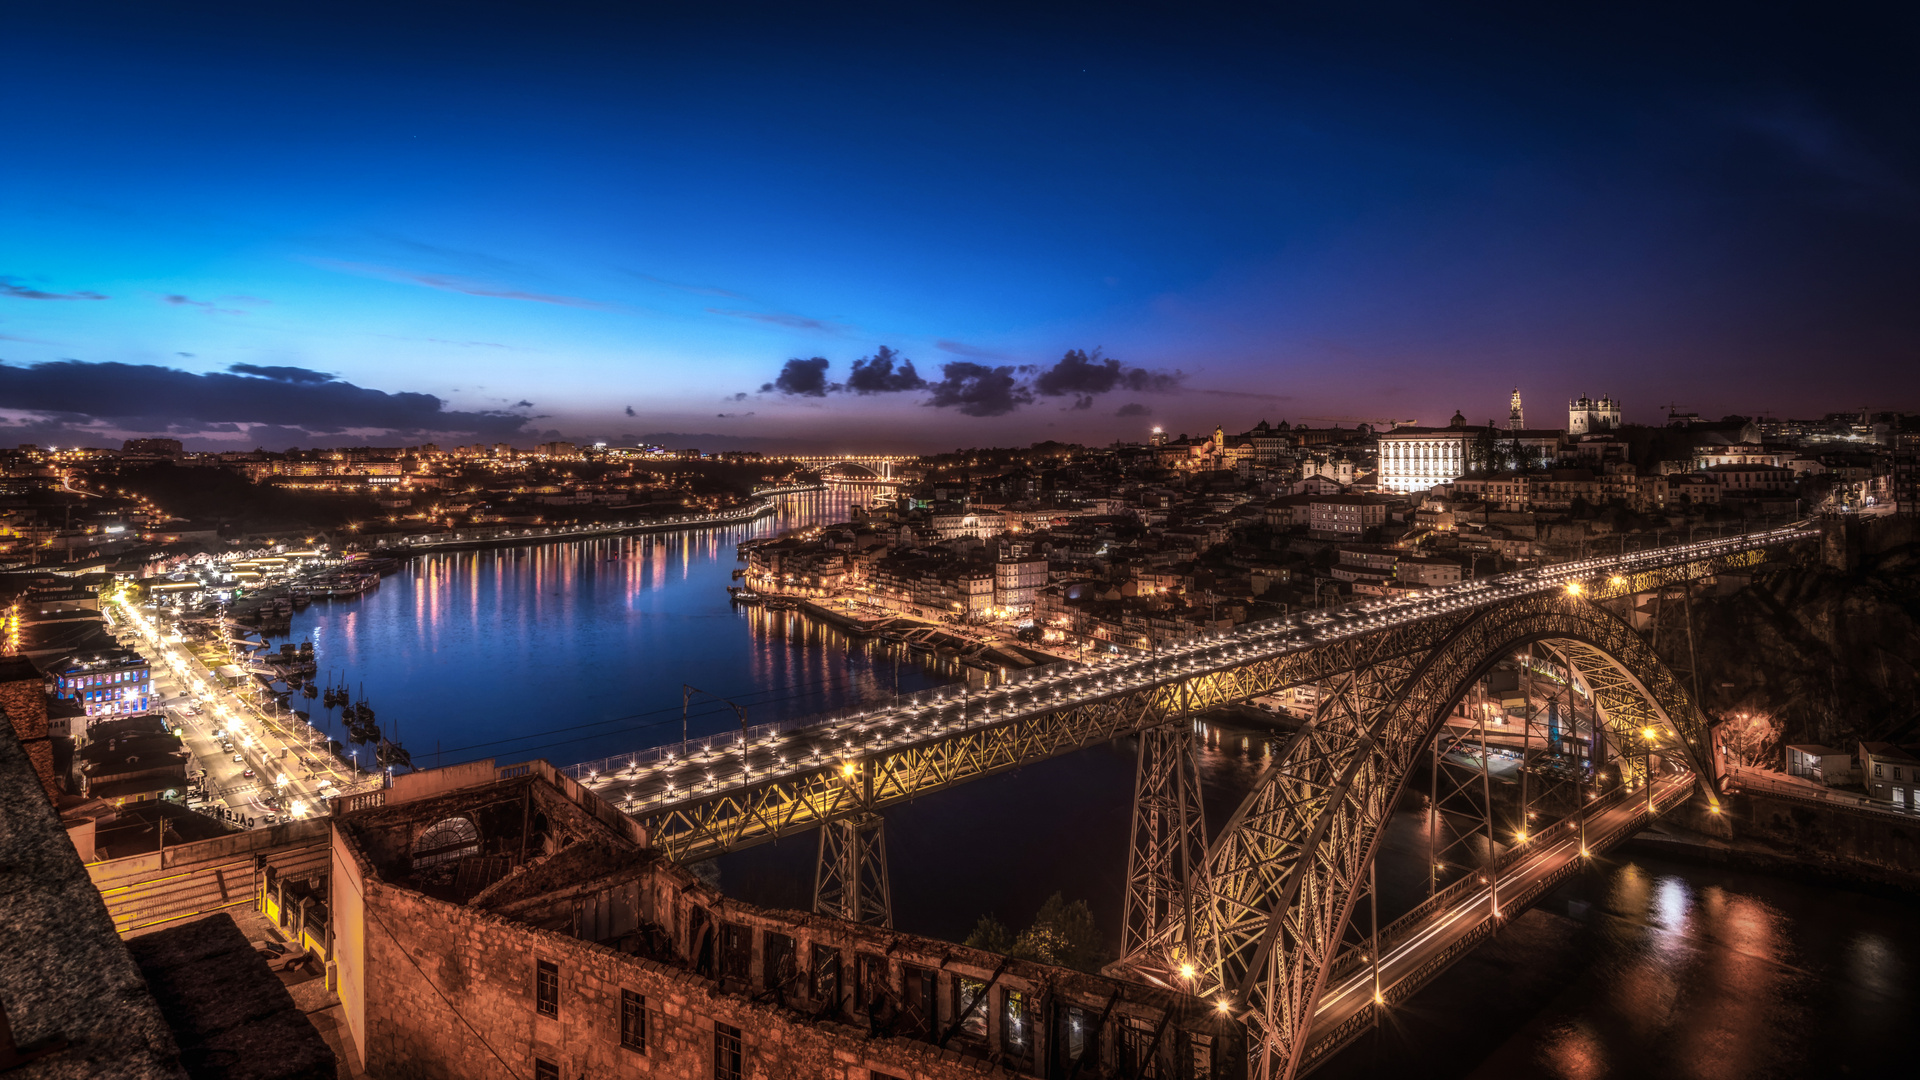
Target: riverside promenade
[(465, 539)]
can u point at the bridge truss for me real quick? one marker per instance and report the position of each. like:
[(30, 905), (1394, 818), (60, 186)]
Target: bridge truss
[(1253, 922)]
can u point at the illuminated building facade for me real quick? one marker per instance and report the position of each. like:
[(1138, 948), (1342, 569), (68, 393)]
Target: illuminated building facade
[(1418, 458), (1586, 416), (116, 682)]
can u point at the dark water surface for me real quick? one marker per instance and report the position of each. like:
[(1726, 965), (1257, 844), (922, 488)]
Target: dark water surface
[(1644, 967), (1641, 968), (577, 651)]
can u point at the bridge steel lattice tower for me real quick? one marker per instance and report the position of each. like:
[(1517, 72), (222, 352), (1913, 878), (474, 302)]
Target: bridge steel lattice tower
[(850, 876), (1167, 848)]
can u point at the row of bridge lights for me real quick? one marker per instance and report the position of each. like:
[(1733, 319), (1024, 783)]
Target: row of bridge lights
[(1185, 659), (1188, 973)]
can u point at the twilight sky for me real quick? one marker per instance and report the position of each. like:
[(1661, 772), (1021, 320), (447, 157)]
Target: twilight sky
[(316, 224)]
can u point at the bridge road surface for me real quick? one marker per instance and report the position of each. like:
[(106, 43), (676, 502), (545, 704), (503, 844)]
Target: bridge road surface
[(1339, 1003), (684, 774)]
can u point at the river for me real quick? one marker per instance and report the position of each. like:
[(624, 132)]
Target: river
[(577, 651)]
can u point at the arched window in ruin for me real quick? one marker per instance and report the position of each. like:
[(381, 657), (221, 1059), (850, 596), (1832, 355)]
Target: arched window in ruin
[(444, 841)]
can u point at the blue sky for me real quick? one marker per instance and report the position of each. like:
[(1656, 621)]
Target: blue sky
[(546, 217)]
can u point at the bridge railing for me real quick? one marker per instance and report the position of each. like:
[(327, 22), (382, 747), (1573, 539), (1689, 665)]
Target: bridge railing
[(1754, 780), (1469, 884), (707, 747), (1325, 1044), (1473, 882)]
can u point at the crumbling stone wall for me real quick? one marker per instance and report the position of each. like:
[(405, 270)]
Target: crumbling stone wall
[(450, 994), (451, 990)]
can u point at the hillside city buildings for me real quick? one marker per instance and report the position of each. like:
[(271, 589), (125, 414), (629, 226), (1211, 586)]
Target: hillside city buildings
[(552, 925)]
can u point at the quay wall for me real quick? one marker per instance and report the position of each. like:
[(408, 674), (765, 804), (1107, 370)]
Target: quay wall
[(1779, 833)]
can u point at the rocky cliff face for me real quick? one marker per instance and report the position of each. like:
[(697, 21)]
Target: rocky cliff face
[(1833, 656)]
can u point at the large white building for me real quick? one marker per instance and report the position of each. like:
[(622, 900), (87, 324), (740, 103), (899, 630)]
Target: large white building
[(1417, 458), (1586, 416)]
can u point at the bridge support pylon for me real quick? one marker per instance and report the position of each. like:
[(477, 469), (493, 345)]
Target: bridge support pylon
[(850, 878), (1167, 857)]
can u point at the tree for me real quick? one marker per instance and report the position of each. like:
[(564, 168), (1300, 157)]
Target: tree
[(1480, 452), (990, 935), (1063, 933)]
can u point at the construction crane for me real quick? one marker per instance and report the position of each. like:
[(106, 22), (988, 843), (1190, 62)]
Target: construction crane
[(1376, 421)]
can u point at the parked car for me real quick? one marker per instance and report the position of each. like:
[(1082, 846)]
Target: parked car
[(278, 956), (248, 773), (237, 758)]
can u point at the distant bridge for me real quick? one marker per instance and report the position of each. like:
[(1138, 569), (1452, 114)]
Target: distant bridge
[(1263, 920), (880, 465)]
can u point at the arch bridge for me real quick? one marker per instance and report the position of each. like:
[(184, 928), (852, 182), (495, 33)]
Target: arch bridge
[(1261, 919), (880, 466)]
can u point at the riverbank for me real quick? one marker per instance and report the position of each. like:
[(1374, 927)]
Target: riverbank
[(764, 503), (920, 636), (1823, 845)]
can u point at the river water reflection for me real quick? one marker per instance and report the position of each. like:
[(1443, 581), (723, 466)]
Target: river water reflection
[(577, 651), (1640, 968)]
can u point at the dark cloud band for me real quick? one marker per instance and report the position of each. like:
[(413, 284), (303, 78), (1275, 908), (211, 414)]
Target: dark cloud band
[(976, 389), (145, 397)]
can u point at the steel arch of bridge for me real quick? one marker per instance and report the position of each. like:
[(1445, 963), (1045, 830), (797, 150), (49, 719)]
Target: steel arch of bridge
[(1282, 877), (928, 747)]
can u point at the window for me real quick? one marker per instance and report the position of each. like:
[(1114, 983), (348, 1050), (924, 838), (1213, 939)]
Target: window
[(736, 950), (728, 1062), (918, 988), (826, 975), (1074, 1037), (777, 965), (444, 841), (1199, 1056), (1137, 1056), (633, 1021), (967, 1009), (1016, 1025), (1876, 770), (546, 988), (869, 981), (545, 1070)]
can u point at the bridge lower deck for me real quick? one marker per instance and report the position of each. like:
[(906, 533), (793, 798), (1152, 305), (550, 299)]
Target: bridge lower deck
[(1421, 948)]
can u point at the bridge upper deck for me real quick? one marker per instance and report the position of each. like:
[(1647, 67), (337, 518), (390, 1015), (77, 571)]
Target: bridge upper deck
[(712, 795)]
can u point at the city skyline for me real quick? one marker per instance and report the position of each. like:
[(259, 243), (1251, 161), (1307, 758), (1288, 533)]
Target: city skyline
[(279, 231)]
